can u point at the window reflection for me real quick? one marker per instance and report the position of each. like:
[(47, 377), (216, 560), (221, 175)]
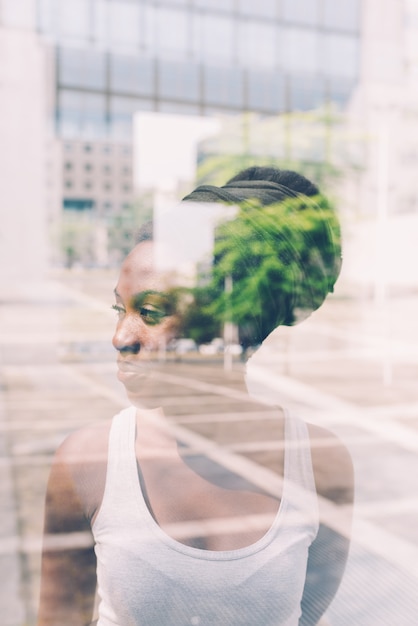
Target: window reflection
[(344, 14), (219, 5), (178, 81), (82, 114), (124, 24), (223, 86), (339, 55), (265, 94), (262, 8), (299, 50), (121, 114), (131, 74), (172, 32), (301, 11), (73, 18), (214, 38), (258, 44), (81, 68)]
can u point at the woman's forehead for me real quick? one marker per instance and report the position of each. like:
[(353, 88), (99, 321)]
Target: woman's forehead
[(139, 272)]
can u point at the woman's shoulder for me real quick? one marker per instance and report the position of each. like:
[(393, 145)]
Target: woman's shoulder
[(88, 443), (332, 465)]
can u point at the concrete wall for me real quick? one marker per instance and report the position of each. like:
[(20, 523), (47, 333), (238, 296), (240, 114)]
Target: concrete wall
[(23, 136)]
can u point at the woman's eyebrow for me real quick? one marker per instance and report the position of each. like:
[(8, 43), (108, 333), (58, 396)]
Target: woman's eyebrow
[(138, 298)]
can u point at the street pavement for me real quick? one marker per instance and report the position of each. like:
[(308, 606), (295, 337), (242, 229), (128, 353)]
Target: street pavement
[(352, 368)]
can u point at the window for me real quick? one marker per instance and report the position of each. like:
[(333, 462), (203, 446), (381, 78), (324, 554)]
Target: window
[(306, 93), (87, 147), (121, 115), (173, 36), (257, 44), (88, 167), (265, 91), (223, 86), (260, 8), (214, 39), (126, 188), (82, 68), (344, 14), (131, 74), (126, 171), (107, 169), (179, 81), (124, 23), (68, 165), (339, 56), (87, 185), (215, 5), (107, 187), (302, 11), (299, 50), (107, 149), (78, 204), (68, 184), (74, 20)]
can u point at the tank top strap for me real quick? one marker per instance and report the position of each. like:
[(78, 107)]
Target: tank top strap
[(121, 472), (300, 488)]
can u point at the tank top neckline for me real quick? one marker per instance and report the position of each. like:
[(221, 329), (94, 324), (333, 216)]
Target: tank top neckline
[(200, 553)]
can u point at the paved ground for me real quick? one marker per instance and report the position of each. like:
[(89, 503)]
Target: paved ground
[(353, 368)]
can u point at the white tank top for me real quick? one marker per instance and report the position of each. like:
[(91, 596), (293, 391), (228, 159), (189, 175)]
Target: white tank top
[(147, 578)]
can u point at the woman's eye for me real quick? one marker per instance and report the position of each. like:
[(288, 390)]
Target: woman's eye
[(119, 310), (151, 316)]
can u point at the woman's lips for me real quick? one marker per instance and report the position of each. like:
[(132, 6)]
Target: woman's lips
[(130, 373)]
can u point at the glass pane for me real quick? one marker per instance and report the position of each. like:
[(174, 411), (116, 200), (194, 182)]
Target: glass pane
[(172, 33), (306, 93), (339, 90), (81, 114), (223, 87), (70, 113), (299, 50), (124, 24), (217, 5), (46, 16), (122, 111), (214, 39), (262, 8), (301, 11), (179, 81), (344, 14), (73, 18), (82, 68), (257, 44), (266, 92), (131, 74), (99, 20), (339, 56), (93, 115)]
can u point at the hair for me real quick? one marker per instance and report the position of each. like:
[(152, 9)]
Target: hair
[(300, 236)]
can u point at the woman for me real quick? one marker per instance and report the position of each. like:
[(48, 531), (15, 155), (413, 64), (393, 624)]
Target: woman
[(179, 537)]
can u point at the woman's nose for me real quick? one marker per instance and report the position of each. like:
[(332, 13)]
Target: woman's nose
[(127, 338)]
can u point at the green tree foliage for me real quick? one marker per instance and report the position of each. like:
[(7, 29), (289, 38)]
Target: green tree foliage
[(282, 259)]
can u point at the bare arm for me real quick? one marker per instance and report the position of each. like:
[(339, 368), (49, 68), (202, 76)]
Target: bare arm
[(329, 551), (68, 575)]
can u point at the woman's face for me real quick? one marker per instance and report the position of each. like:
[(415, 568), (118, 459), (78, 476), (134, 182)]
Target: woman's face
[(146, 318)]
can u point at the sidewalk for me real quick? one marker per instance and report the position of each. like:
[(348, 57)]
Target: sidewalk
[(58, 371)]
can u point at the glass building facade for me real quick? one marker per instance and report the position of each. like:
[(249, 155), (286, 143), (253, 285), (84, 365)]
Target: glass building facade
[(115, 57)]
